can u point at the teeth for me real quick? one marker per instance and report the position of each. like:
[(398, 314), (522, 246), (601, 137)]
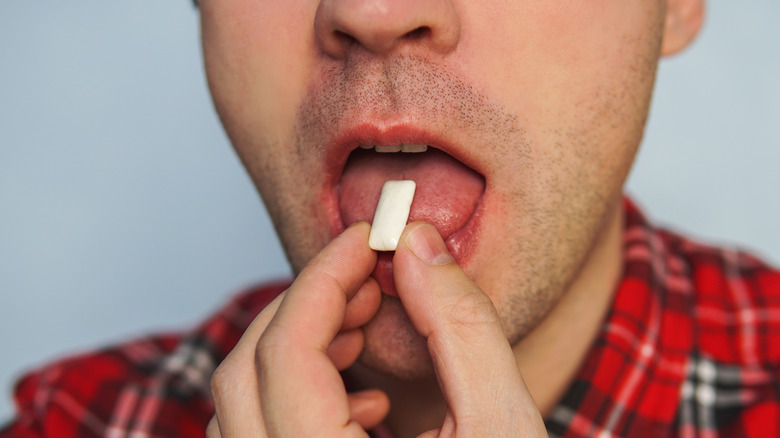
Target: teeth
[(414, 148), (391, 215), (406, 148), (388, 149)]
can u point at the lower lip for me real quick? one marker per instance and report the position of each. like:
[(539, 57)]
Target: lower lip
[(460, 244)]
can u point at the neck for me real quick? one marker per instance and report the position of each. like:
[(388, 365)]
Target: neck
[(547, 358)]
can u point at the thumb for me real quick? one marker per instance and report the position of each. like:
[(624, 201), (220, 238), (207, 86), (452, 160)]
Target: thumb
[(472, 357), (440, 299)]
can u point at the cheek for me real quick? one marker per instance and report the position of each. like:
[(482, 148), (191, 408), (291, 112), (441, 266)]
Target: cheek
[(257, 61), (258, 58), (579, 76), (549, 60)]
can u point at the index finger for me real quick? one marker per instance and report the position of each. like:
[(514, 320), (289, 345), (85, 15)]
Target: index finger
[(237, 386), (305, 390)]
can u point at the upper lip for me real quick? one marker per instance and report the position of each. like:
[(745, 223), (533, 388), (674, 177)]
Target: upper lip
[(386, 135), (347, 140)]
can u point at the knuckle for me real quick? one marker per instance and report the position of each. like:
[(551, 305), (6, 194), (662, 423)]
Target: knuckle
[(269, 351), (325, 279), (223, 381), (230, 380), (472, 311)]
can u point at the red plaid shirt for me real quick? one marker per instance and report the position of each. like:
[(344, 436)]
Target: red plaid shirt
[(690, 348)]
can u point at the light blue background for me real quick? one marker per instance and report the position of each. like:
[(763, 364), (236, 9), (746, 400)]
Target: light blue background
[(124, 211)]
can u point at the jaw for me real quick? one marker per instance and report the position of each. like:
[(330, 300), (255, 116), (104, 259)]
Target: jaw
[(544, 199), (393, 347)]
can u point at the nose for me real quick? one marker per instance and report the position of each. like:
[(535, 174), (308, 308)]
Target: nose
[(381, 26)]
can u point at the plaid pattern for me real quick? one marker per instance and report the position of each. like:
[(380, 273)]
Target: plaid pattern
[(152, 387), (690, 348)]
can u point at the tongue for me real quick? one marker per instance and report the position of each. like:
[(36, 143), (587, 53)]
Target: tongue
[(446, 196), (447, 190)]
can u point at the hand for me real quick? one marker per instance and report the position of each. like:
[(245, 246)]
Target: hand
[(282, 377), (473, 360), (290, 356)]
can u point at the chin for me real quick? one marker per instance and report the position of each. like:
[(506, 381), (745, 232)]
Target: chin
[(393, 347)]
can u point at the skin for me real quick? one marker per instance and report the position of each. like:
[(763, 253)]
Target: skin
[(547, 100)]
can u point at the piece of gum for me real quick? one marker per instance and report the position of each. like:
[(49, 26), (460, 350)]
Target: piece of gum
[(392, 212)]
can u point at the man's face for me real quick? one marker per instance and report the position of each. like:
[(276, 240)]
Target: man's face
[(533, 112)]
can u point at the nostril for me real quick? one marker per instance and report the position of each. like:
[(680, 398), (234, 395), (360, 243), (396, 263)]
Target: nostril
[(381, 26), (420, 33), (344, 38)]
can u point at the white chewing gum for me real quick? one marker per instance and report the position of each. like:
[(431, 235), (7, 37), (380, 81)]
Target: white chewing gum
[(391, 215)]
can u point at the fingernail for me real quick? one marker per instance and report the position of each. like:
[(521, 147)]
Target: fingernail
[(426, 243)]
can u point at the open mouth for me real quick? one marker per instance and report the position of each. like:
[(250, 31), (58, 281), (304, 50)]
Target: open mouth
[(449, 195)]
